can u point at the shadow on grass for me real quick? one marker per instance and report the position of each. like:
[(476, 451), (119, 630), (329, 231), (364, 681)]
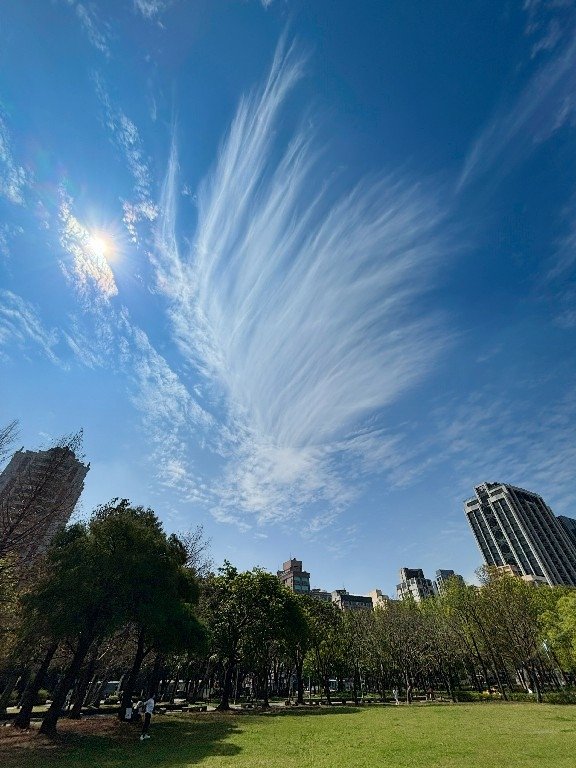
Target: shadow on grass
[(302, 711), (176, 742)]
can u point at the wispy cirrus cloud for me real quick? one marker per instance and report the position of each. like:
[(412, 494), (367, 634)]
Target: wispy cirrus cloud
[(548, 22), (14, 179), (21, 325), (556, 279), (169, 412), (125, 136), (136, 212), (497, 436), (150, 9), (8, 232), (87, 269), (303, 302), (543, 105), (97, 31), (106, 337)]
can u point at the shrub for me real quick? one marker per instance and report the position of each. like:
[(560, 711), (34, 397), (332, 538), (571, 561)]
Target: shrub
[(476, 696), (42, 696), (522, 696), (560, 697), (467, 695)]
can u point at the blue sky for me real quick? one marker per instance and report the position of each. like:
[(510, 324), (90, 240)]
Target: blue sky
[(303, 272)]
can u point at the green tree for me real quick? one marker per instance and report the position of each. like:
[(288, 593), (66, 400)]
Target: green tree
[(401, 626), (558, 628), (98, 572), (511, 608), (276, 623), (166, 620), (326, 633), (467, 608), (299, 643), (251, 618)]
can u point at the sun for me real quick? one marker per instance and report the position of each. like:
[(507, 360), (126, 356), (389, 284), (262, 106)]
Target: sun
[(99, 246)]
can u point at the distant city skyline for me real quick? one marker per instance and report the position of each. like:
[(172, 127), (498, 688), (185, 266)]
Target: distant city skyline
[(301, 271)]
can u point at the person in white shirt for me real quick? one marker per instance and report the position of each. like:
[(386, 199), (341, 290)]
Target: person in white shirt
[(148, 707)]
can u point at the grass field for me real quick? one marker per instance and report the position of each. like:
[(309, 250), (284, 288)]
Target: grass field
[(495, 735)]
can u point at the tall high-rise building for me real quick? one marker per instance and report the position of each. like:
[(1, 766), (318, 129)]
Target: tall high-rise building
[(516, 527), (346, 602), (379, 600), (321, 594), (293, 577), (38, 493), (443, 576), (413, 584), (569, 525)]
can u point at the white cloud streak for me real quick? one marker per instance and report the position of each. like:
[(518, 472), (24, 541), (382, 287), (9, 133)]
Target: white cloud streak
[(151, 8), (303, 305), (88, 270), (13, 177), (126, 137), (544, 105), (556, 280), (95, 30), (20, 324), (169, 413), (500, 437), (105, 337)]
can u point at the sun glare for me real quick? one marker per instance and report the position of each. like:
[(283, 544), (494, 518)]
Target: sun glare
[(99, 246)]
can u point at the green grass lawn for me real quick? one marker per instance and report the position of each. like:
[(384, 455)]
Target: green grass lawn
[(495, 735)]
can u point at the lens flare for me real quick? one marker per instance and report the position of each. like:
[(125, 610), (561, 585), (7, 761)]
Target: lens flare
[(99, 246)]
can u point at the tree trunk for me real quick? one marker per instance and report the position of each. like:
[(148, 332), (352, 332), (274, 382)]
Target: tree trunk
[(130, 681), (299, 682), (99, 690), (31, 691), (197, 685), (327, 689), (482, 664), (533, 676), (355, 679), (154, 681), (563, 678), (83, 683), (408, 688), (264, 688), (175, 686), (48, 727), (7, 692), (224, 705), (471, 672), (23, 681), (91, 690)]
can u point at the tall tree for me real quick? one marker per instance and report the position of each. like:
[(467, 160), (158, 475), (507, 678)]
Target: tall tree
[(326, 647), (165, 621), (276, 621), (98, 573), (512, 610)]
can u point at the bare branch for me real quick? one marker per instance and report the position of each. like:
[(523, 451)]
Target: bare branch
[(197, 550), (8, 435)]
